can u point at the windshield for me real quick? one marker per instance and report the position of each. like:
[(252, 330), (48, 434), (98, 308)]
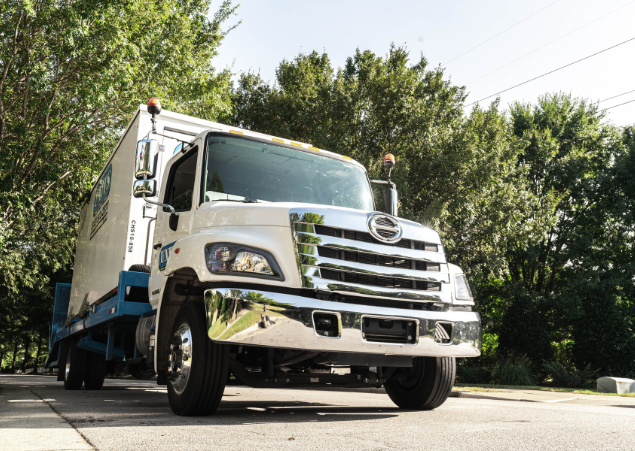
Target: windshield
[(242, 170)]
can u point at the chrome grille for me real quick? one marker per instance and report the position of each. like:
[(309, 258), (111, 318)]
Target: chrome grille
[(379, 260), (352, 263), (368, 238), (379, 281)]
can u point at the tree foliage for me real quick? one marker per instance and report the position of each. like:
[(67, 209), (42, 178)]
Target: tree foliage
[(71, 75)]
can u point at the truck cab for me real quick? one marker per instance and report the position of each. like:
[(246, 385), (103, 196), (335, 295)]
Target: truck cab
[(269, 265)]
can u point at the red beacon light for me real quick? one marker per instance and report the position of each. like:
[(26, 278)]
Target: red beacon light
[(154, 106)]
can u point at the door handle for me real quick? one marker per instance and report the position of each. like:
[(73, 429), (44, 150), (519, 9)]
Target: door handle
[(156, 246)]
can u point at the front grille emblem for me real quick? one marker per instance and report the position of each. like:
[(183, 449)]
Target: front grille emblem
[(385, 228)]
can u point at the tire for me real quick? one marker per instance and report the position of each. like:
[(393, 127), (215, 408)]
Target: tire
[(75, 368), (140, 268), (197, 370), (425, 386), (143, 374), (95, 371)]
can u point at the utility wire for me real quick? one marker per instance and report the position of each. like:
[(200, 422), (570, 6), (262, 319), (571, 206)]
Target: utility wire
[(615, 106), (552, 42), (619, 95), (552, 71), (496, 35)]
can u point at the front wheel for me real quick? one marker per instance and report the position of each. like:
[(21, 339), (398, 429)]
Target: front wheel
[(425, 386), (197, 367)]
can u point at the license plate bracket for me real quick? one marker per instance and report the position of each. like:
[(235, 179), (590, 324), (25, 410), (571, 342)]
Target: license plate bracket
[(377, 329)]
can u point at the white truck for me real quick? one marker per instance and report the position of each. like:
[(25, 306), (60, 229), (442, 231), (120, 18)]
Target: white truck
[(207, 251)]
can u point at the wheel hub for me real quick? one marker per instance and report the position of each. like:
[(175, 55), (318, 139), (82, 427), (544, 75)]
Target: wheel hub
[(68, 365), (180, 359)]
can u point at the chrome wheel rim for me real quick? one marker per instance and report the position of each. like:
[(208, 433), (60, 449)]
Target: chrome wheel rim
[(68, 365), (180, 360)]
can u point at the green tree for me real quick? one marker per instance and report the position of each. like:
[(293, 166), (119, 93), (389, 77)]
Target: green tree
[(574, 282), (71, 74)]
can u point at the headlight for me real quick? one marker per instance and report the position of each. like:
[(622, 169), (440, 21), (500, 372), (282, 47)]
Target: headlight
[(462, 287), (239, 260)]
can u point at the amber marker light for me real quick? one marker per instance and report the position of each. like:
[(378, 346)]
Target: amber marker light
[(154, 106), (389, 161)]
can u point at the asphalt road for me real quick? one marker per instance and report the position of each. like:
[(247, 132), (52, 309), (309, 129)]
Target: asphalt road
[(37, 414)]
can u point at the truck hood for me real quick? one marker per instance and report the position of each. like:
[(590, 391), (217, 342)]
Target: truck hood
[(278, 214)]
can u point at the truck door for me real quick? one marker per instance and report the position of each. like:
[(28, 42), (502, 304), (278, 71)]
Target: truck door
[(179, 192)]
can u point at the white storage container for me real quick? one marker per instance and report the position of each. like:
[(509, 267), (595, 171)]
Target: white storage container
[(115, 228)]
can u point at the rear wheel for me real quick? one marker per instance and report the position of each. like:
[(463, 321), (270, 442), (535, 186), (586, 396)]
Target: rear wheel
[(75, 368), (425, 386), (197, 370), (95, 371)]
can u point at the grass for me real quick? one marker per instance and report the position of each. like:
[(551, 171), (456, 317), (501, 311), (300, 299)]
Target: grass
[(497, 388)]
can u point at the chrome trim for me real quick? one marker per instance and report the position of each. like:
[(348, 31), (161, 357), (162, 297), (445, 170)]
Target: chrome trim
[(357, 220), (145, 158), (375, 270), (180, 358), (312, 239), (311, 279), (373, 227), (142, 188), (263, 318), (67, 370)]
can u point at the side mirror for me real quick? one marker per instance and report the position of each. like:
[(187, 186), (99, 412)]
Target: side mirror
[(390, 201), (174, 221), (144, 187), (146, 158)]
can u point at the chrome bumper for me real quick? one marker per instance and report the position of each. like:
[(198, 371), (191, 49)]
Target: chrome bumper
[(263, 318)]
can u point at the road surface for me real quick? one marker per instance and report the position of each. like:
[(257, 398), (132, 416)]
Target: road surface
[(36, 413)]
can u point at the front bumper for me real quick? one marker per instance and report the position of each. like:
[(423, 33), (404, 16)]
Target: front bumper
[(264, 318)]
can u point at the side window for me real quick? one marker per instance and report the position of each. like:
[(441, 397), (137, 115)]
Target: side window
[(180, 188)]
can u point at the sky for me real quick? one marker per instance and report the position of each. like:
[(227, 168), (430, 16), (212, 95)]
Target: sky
[(486, 46)]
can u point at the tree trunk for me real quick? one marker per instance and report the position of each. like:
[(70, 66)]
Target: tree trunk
[(15, 351), (37, 354), (27, 345)]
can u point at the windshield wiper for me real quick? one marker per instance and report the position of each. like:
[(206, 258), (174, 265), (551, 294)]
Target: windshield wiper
[(245, 201)]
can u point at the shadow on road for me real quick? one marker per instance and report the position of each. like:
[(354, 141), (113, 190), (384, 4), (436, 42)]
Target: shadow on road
[(137, 405)]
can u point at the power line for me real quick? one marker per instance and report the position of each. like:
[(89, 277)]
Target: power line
[(555, 70), (552, 42), (506, 29), (619, 95), (615, 106)]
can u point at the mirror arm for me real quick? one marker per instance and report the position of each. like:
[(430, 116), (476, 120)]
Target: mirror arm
[(384, 182), (159, 203)]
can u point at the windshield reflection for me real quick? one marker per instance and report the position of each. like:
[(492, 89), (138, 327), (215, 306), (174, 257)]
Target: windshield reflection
[(243, 170)]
